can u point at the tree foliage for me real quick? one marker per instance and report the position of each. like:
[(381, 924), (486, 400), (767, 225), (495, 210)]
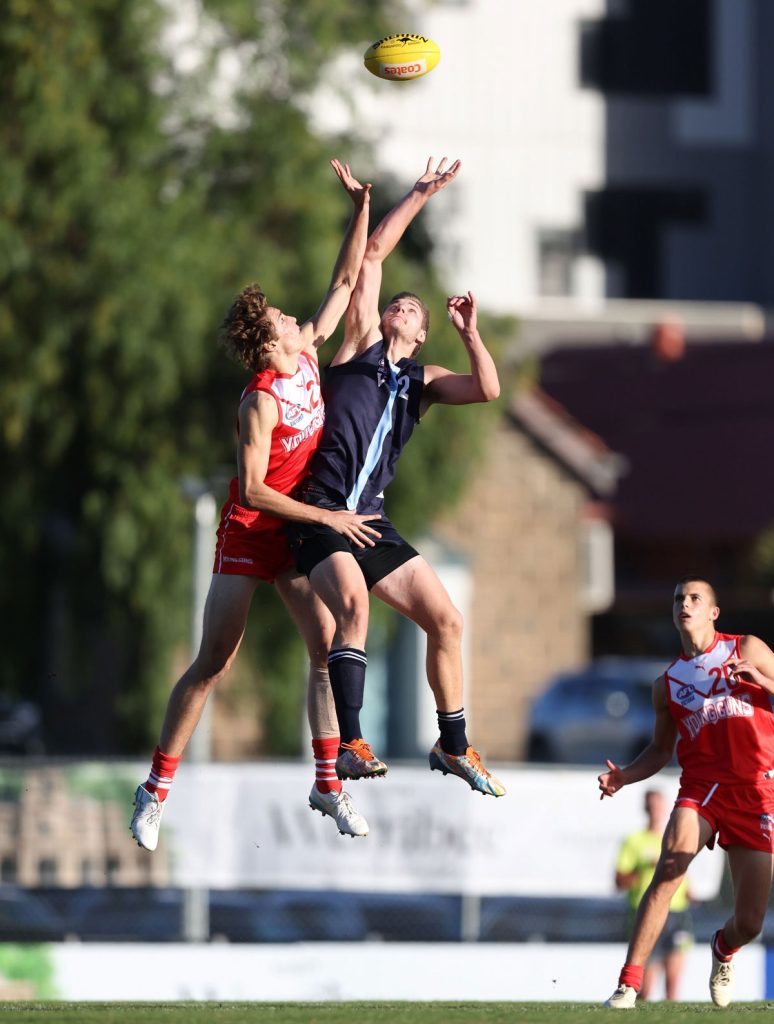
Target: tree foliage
[(133, 207)]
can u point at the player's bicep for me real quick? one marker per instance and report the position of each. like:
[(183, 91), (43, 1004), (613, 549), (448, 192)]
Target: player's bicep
[(321, 326), (445, 387), (753, 649), (361, 324), (664, 726), (257, 418)]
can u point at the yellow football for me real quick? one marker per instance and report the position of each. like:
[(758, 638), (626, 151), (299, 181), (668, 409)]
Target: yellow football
[(402, 57)]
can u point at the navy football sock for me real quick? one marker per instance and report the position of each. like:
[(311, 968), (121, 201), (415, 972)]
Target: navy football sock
[(454, 739), (347, 669)]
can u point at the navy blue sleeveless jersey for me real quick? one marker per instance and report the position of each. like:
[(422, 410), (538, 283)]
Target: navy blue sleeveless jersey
[(371, 409)]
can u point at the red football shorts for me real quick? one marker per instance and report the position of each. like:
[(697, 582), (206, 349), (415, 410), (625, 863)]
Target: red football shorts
[(741, 815), (248, 545)]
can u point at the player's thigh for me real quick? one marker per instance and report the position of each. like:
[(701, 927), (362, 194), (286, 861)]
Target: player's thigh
[(415, 590), (751, 874), (225, 615), (338, 580), (309, 612), (686, 833)]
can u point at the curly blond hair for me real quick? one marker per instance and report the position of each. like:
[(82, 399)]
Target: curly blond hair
[(247, 328)]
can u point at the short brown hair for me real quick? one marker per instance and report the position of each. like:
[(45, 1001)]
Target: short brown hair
[(693, 578), (422, 306), (247, 328)]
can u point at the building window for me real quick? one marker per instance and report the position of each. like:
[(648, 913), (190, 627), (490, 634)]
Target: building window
[(650, 48), (557, 251), (48, 871), (597, 566), (625, 226), (112, 870), (8, 870)]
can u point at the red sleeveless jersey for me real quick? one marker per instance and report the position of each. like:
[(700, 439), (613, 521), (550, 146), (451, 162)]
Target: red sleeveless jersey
[(726, 726), (296, 436)]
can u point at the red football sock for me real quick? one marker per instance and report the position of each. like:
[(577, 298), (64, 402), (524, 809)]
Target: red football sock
[(632, 975), (721, 949), (161, 775), (325, 751)]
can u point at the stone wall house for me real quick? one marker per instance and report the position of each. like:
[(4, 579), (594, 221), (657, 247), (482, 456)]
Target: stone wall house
[(521, 528)]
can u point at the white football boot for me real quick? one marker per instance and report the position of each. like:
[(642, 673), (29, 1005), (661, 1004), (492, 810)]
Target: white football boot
[(721, 983), (339, 807), (146, 819), (623, 998)]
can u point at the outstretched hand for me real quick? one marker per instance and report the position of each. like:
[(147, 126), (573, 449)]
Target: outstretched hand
[(358, 193), (433, 181), (610, 781), (462, 311)]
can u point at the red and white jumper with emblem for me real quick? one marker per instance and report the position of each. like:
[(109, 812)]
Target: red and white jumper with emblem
[(726, 725)]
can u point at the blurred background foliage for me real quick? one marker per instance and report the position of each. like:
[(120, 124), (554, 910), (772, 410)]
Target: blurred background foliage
[(137, 200)]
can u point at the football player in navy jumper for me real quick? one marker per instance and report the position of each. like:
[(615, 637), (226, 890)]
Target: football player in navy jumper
[(375, 394)]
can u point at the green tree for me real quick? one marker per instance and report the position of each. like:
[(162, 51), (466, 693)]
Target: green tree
[(133, 208)]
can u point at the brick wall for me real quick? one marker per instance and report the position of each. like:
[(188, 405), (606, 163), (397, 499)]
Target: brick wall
[(518, 527)]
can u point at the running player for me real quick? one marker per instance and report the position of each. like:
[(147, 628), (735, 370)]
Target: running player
[(279, 425), (634, 869), (376, 394), (714, 701)]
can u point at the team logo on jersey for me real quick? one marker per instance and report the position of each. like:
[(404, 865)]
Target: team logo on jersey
[(292, 414), (685, 693), (767, 823)]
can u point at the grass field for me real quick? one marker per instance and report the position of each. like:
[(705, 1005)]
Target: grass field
[(368, 1013)]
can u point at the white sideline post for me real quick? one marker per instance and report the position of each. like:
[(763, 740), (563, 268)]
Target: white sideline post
[(196, 900)]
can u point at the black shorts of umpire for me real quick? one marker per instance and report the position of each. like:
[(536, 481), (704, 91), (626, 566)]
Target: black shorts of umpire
[(312, 543)]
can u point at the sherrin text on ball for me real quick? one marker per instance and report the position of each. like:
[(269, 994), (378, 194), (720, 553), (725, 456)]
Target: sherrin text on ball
[(402, 57)]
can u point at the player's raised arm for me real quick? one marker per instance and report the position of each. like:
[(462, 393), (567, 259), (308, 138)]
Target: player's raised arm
[(362, 322), (482, 383), (325, 321), (655, 756)]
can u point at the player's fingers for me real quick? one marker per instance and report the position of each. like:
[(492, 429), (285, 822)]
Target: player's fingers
[(429, 167), (610, 765), (441, 165)]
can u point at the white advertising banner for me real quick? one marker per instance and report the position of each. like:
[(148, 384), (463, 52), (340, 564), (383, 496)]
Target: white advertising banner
[(325, 972), (250, 826)]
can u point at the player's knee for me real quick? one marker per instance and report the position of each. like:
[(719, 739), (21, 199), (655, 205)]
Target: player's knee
[(211, 666), (671, 869), (353, 612), (447, 626)]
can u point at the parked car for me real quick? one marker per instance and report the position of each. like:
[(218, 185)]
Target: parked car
[(604, 710), (21, 729)]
